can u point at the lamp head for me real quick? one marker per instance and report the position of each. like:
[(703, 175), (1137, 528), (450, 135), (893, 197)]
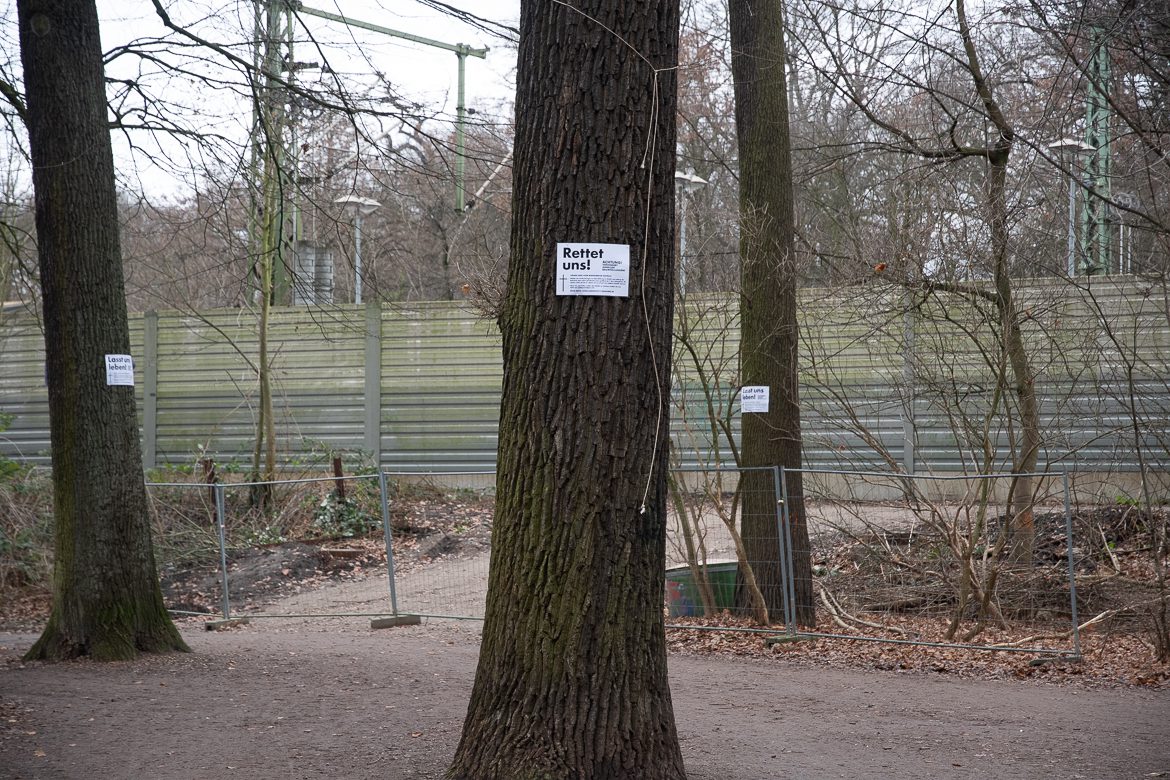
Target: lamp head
[(356, 204)]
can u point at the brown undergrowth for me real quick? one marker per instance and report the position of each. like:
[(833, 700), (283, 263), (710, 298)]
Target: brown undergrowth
[(299, 547)]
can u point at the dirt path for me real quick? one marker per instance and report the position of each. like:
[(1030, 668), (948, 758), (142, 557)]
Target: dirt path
[(331, 698), (455, 586)]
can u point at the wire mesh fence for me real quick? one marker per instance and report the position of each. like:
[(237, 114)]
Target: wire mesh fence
[(441, 525), (982, 561), (728, 549), (986, 560), (270, 541)]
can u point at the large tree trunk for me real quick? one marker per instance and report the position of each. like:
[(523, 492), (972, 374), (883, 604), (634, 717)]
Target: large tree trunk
[(106, 599), (572, 672), (769, 340)]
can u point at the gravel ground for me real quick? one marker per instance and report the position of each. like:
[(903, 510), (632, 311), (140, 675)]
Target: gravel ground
[(319, 698)]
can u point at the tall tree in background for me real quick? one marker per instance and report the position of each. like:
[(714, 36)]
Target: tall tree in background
[(572, 671), (769, 335), (106, 598)]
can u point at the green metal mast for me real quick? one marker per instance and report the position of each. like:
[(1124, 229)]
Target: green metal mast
[(1096, 227), (271, 226), (461, 52)]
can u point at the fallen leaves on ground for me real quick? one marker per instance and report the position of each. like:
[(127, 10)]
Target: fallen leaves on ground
[(1108, 658)]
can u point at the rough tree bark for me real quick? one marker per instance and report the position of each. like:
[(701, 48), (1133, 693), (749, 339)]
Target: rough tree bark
[(106, 598), (572, 673), (769, 339)]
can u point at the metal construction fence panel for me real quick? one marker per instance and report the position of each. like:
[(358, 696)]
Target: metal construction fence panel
[(247, 529), (985, 561), (891, 557), (442, 541), (728, 549)]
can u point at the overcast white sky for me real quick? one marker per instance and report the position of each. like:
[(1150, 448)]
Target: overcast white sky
[(421, 74), (424, 71)]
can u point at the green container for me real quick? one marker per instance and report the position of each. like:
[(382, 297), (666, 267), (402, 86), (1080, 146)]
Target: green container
[(682, 596)]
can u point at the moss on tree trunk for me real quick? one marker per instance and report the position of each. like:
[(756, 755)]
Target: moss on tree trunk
[(769, 335), (106, 598), (572, 673)]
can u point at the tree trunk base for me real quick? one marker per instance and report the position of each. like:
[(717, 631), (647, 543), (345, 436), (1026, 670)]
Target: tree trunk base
[(640, 765), (115, 641)]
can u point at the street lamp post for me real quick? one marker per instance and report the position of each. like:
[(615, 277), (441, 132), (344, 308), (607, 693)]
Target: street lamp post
[(358, 207), (1071, 150), (686, 183), (1128, 201)]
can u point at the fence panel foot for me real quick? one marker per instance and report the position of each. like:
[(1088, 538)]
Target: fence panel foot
[(395, 621), (223, 625)]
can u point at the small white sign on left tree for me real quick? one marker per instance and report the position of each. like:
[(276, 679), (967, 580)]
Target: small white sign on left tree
[(119, 370)]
